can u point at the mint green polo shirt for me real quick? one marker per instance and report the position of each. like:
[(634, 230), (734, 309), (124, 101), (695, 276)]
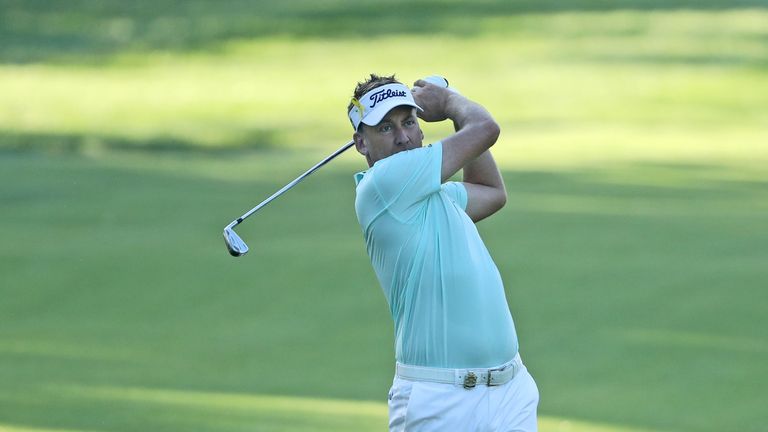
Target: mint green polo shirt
[(444, 291)]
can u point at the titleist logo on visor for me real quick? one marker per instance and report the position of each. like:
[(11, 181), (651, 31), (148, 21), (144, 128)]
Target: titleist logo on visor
[(383, 95)]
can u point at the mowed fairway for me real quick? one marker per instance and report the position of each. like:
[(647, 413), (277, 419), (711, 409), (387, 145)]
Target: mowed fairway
[(634, 244)]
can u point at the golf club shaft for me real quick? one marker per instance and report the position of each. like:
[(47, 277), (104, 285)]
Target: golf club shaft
[(291, 184)]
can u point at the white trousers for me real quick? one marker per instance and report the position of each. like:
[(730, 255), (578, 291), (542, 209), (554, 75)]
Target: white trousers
[(420, 406)]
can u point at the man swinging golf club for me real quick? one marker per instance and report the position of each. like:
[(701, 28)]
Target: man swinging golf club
[(458, 367)]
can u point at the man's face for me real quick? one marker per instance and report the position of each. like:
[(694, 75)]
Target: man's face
[(399, 130)]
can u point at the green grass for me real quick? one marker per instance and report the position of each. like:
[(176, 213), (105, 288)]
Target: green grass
[(633, 244), (622, 289)]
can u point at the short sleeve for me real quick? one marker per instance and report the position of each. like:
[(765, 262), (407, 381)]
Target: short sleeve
[(409, 177), (457, 192)]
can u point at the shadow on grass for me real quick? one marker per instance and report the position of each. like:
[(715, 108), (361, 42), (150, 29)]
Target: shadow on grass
[(92, 143), (82, 30)]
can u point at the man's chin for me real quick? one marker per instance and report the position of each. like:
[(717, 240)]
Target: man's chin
[(413, 147), (399, 150)]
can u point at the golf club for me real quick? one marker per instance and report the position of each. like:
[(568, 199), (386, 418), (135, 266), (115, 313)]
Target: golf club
[(235, 244)]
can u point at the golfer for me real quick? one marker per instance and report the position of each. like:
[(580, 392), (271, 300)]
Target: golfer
[(458, 367)]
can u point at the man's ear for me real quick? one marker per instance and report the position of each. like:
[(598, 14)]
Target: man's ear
[(360, 143)]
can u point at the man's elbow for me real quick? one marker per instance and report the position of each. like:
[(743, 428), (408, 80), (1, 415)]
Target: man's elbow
[(500, 199), (492, 131), (492, 204), (496, 200), (484, 133)]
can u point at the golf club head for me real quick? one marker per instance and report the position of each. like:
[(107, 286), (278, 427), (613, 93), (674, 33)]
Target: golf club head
[(235, 245)]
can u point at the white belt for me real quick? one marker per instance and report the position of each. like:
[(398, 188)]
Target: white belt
[(468, 378)]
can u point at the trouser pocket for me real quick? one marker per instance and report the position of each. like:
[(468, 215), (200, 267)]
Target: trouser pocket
[(399, 398)]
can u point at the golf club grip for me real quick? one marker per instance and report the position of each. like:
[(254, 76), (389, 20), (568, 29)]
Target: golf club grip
[(293, 183)]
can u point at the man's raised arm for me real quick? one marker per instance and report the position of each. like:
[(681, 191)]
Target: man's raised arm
[(476, 132)]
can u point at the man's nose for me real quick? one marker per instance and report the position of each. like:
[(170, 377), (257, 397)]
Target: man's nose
[(400, 137)]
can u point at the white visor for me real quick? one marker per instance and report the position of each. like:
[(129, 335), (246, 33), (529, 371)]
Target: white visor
[(375, 104)]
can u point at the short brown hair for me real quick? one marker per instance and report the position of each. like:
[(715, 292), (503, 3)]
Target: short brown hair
[(371, 83)]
